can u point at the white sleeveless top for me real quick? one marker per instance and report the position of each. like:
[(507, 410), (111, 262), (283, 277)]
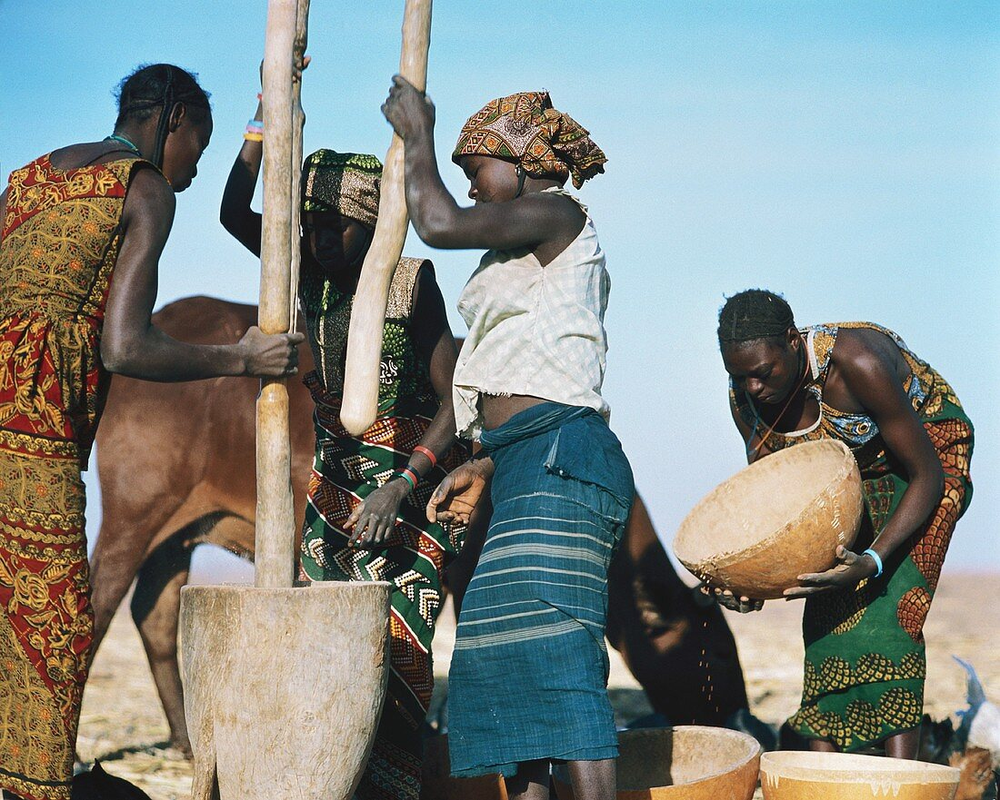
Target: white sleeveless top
[(534, 330)]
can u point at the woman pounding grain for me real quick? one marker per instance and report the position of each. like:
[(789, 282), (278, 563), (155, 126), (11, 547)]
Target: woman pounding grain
[(863, 622), (365, 515), (82, 232), (528, 677)]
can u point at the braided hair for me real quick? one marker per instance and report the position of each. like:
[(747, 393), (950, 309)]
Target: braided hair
[(157, 88), (754, 314)]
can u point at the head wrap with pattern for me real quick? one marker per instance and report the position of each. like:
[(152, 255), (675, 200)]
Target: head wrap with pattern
[(526, 129), (347, 183)]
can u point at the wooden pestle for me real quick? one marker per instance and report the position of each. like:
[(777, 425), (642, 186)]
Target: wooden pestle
[(275, 532), (364, 341)]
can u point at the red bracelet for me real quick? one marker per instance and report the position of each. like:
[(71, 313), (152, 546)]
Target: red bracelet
[(411, 473), (427, 452)]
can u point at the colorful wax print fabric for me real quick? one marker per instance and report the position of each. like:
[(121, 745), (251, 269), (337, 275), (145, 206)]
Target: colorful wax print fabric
[(865, 663), (526, 129), (346, 470), (60, 243), (348, 183)]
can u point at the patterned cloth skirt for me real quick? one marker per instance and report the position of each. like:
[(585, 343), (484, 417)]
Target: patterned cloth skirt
[(529, 673), (46, 620), (865, 661), (346, 470)]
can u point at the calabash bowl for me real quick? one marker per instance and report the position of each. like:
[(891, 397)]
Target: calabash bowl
[(844, 776), (689, 762), (778, 518)]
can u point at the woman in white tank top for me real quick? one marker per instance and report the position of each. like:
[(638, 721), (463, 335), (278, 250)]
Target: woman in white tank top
[(528, 679)]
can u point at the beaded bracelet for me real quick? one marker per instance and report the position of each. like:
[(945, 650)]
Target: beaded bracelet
[(254, 131), (877, 559), (409, 475), (427, 452)]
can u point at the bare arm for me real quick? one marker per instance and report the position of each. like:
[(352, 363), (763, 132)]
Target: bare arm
[(131, 345), (373, 519), (528, 221), (436, 347), (236, 215), (871, 377)]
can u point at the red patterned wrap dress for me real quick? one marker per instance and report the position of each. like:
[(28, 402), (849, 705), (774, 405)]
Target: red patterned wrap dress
[(60, 239)]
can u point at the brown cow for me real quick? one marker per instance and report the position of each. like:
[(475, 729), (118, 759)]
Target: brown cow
[(176, 469), (176, 465)]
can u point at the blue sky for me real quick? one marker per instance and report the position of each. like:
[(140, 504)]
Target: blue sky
[(843, 153)]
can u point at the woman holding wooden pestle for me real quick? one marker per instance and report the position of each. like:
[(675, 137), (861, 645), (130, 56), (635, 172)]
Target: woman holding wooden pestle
[(528, 677), (863, 623), (365, 518), (82, 232)]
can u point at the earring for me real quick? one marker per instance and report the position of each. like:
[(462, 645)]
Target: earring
[(521, 176)]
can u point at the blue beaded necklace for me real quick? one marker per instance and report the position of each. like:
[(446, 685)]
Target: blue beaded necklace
[(114, 137)]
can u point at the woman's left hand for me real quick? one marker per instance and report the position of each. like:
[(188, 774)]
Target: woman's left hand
[(408, 110), (851, 569), (375, 517)]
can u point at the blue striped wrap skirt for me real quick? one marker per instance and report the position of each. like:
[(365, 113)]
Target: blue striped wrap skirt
[(529, 673)]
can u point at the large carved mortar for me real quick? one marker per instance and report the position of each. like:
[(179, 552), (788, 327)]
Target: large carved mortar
[(843, 776), (283, 687), (778, 518), (689, 762)]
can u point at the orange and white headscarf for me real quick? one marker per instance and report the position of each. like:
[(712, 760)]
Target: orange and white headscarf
[(526, 129)]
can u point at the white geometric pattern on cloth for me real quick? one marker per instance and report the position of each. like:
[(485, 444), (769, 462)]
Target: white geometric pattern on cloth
[(355, 466), (534, 330)]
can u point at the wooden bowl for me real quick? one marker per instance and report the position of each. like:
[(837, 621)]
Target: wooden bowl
[(843, 776), (437, 783), (782, 516), (684, 763)]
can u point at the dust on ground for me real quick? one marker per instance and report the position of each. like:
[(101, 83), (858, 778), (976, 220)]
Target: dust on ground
[(123, 725)]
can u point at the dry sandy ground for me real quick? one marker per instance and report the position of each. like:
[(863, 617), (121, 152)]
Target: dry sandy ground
[(123, 724)]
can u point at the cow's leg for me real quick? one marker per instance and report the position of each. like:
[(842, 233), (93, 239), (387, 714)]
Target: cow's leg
[(155, 608), (125, 536)]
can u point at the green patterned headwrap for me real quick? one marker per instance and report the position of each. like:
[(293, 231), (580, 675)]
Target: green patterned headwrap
[(348, 183)]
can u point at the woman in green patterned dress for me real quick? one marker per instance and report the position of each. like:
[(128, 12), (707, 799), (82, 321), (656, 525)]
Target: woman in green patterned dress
[(365, 516), (863, 623)]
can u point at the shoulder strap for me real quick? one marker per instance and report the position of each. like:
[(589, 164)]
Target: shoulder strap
[(562, 191), (820, 340), (400, 304)]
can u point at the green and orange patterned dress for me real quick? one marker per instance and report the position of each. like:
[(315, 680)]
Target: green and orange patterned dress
[(61, 234), (346, 470), (865, 662)]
